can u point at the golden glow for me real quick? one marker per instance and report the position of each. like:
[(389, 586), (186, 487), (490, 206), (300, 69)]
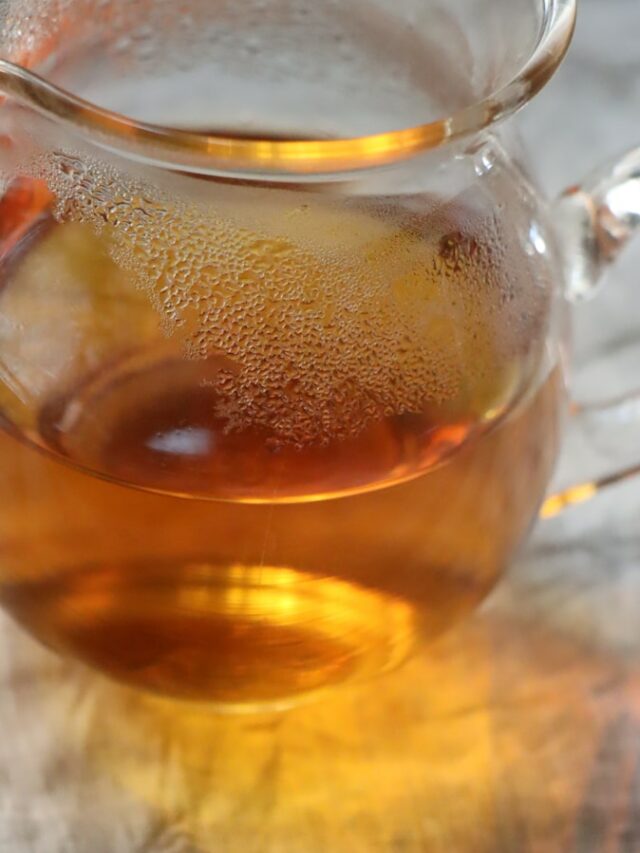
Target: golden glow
[(484, 725), (248, 637), (357, 766), (570, 497)]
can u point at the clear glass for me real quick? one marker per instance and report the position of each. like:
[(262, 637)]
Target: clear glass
[(281, 372)]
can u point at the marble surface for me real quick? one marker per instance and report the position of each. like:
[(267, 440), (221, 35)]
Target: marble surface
[(590, 556), (532, 740)]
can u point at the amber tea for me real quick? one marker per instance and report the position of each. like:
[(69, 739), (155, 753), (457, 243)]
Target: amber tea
[(279, 465)]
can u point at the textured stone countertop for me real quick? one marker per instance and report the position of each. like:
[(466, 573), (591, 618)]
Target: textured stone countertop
[(533, 741)]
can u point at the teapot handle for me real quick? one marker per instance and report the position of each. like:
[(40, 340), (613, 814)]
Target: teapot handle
[(595, 220)]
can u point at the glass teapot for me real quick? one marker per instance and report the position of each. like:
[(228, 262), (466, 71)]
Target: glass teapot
[(281, 348)]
